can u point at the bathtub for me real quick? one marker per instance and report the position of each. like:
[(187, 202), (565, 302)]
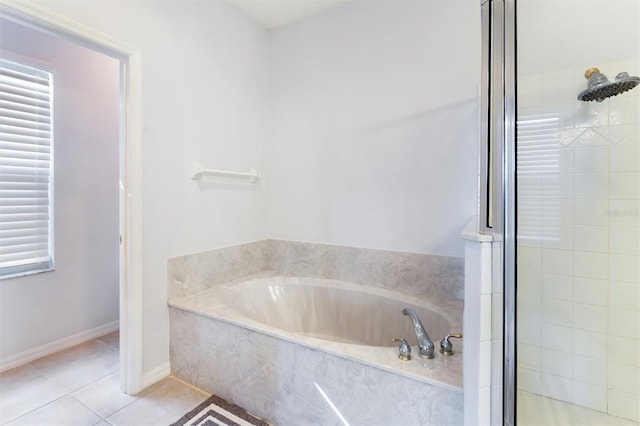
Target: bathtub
[(317, 351)]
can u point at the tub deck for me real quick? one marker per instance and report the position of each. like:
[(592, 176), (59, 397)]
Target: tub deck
[(442, 371)]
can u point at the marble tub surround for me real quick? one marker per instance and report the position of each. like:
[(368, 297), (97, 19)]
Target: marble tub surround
[(195, 272), (227, 303), (292, 383), (412, 273), (221, 345)]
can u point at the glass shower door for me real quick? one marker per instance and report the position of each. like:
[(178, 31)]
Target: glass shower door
[(578, 212)]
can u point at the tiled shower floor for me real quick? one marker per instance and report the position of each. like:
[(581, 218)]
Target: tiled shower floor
[(532, 409), (80, 386)]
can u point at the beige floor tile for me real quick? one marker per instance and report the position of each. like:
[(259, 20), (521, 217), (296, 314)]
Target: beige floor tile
[(76, 373), (24, 389), (53, 361), (80, 386), (104, 396), (66, 411), (17, 374), (111, 339), (163, 403)]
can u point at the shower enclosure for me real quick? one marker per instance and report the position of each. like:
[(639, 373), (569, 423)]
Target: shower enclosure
[(562, 200)]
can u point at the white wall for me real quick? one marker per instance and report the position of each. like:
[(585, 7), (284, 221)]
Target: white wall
[(374, 126), (82, 292), (365, 150), (556, 35), (205, 81)]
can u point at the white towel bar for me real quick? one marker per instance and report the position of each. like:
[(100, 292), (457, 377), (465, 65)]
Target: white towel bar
[(197, 171)]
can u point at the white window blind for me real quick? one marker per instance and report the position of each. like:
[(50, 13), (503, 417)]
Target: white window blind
[(26, 223)]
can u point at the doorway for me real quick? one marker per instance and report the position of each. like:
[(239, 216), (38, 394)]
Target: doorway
[(128, 163)]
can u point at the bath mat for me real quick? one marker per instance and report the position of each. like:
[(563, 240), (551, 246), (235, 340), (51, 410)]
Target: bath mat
[(215, 411)]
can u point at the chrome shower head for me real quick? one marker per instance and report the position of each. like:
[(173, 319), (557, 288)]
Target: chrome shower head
[(600, 88)]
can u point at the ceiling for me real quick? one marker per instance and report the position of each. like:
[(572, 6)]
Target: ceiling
[(272, 14)]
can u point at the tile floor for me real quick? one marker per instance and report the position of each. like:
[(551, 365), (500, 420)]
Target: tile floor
[(532, 409), (80, 386)]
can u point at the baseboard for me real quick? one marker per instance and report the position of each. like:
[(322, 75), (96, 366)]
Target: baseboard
[(155, 375), (57, 346)]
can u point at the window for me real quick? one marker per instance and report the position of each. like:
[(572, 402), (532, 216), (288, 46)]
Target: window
[(26, 178)]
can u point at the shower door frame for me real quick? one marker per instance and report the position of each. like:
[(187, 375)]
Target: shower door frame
[(498, 204), (510, 217)]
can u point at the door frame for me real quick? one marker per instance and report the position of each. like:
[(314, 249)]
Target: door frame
[(130, 173)]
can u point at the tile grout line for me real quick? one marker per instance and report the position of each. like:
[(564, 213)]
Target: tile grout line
[(75, 393), (106, 418), (67, 393), (87, 406), (36, 408), (46, 375), (95, 411)]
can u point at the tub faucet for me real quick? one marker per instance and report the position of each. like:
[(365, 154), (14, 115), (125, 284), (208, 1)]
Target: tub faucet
[(425, 344)]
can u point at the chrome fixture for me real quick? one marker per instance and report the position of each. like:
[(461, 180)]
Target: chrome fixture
[(498, 186), (446, 348), (424, 343), (600, 88), (404, 349)]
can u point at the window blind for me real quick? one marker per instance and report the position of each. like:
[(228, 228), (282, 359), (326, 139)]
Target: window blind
[(25, 169)]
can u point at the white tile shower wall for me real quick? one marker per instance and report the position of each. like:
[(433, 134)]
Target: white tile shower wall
[(497, 335), (578, 255), (479, 372)]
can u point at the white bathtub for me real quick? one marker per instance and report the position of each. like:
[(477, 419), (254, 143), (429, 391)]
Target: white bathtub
[(331, 310), (336, 319)]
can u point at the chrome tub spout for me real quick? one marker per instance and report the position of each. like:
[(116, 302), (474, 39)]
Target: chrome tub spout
[(426, 347)]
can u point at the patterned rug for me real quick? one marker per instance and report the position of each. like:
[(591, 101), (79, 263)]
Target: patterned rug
[(215, 411)]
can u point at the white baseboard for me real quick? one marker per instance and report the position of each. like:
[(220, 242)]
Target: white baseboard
[(59, 345), (155, 375)]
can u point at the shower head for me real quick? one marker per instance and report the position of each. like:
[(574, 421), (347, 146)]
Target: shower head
[(600, 88)]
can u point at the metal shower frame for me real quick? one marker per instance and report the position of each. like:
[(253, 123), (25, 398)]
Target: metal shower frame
[(498, 172)]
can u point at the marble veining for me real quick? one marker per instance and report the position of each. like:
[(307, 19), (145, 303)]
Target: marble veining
[(413, 273), (288, 383), (198, 271), (219, 343), (229, 303)]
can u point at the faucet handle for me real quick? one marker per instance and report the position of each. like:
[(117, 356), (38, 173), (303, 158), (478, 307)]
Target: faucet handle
[(404, 349), (446, 348)]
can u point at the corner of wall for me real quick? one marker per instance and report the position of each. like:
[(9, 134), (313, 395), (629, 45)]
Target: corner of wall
[(156, 374), (477, 327)]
